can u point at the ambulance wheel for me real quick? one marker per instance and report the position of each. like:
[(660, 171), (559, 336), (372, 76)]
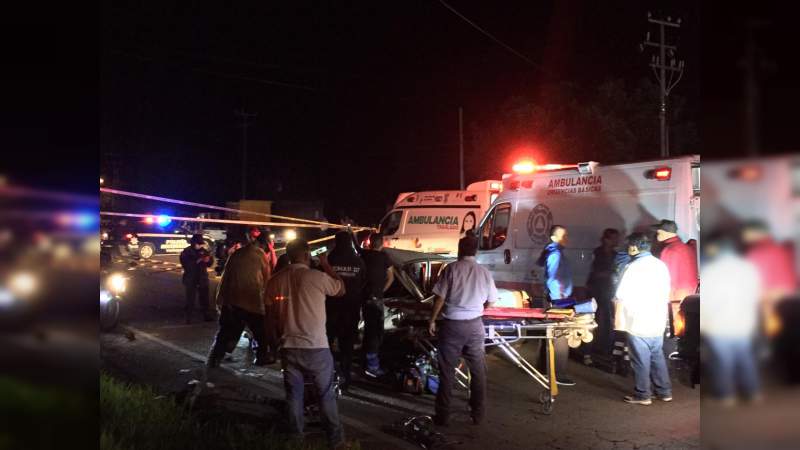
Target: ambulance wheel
[(146, 251), (547, 407)]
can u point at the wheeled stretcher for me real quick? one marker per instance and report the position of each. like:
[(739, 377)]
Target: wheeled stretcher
[(504, 327)]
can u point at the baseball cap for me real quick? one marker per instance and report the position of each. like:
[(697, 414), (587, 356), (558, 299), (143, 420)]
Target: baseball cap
[(666, 225)]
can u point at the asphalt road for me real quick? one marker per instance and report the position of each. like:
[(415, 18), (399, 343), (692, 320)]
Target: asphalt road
[(153, 345)]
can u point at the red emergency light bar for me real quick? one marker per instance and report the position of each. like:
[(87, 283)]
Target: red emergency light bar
[(149, 220), (527, 167), (524, 167)]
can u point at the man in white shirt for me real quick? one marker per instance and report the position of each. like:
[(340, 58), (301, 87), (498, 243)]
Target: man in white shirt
[(296, 298), (732, 288), (642, 301)]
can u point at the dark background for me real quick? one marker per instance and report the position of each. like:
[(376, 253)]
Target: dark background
[(358, 101)]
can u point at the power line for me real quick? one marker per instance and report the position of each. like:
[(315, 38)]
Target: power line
[(220, 74), (489, 35)]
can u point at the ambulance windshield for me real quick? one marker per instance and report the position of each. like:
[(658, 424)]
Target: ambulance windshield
[(391, 223)]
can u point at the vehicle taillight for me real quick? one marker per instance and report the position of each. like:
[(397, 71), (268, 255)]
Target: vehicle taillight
[(660, 174), (746, 173), (128, 236)]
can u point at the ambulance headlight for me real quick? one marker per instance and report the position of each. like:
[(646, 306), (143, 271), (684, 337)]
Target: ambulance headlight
[(117, 283)]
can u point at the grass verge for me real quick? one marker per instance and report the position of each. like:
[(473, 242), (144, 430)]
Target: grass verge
[(136, 417)]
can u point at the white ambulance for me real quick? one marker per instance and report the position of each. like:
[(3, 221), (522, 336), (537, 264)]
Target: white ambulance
[(434, 221), (585, 198)]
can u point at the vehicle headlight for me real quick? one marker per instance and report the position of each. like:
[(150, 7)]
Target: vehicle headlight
[(290, 235), (105, 296), (117, 283), (6, 297), (22, 284)]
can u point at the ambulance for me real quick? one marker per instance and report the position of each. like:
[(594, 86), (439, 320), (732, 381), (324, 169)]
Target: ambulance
[(434, 221), (585, 198)]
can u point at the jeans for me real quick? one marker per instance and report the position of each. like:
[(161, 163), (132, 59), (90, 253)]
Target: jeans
[(197, 290), (231, 325), (649, 365), (317, 365), (348, 315), (373, 325), (733, 364), (457, 338)]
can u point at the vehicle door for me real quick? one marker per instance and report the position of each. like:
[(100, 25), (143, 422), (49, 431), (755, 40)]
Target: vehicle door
[(494, 247)]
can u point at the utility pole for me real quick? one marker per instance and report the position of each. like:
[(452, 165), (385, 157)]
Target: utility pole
[(461, 146), (668, 73), (245, 123), (752, 63)]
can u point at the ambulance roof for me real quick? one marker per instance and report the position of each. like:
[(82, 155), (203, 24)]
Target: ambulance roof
[(469, 197)]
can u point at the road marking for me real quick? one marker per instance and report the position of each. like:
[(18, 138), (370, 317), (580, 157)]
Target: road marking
[(349, 421)]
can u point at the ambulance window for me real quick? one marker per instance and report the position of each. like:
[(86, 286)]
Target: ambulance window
[(495, 228), (391, 223), (696, 179)]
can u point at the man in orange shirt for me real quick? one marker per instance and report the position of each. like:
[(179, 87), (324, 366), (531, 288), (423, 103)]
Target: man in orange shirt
[(681, 260)]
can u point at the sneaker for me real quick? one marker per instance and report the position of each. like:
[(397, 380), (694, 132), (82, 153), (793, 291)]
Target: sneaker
[(667, 398), (564, 381), (637, 401)]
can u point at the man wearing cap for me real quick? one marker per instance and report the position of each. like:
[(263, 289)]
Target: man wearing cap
[(681, 260), (195, 260), (296, 299), (463, 291)]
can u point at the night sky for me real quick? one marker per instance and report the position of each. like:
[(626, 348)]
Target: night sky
[(355, 101)]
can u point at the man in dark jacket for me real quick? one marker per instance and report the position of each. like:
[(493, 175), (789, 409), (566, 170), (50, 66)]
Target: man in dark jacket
[(345, 312), (601, 287), (558, 286), (379, 277), (195, 260)]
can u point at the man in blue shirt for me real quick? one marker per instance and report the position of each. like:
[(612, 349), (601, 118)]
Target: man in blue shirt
[(463, 291), (558, 286)]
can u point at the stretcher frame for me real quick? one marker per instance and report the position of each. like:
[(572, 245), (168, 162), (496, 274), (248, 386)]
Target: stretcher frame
[(505, 331)]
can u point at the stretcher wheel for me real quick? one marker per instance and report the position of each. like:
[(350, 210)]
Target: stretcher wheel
[(547, 407), (573, 341), (587, 336), (544, 397)]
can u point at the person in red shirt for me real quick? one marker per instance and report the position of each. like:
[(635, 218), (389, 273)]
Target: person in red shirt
[(681, 260), (775, 264)]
